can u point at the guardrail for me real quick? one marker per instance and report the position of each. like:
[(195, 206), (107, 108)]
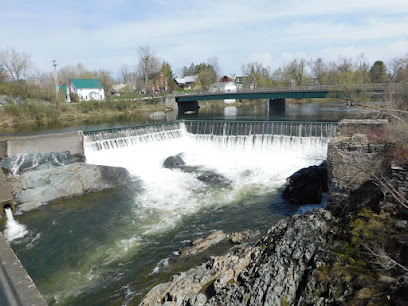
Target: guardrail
[(374, 87)]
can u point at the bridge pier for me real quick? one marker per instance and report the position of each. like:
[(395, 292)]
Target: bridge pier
[(277, 104), (191, 106)]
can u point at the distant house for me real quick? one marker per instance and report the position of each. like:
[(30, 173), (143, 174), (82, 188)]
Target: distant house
[(86, 89), (161, 83), (223, 87), (225, 79), (239, 81), (188, 82)]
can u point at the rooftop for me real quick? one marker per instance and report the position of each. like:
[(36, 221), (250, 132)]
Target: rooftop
[(86, 83)]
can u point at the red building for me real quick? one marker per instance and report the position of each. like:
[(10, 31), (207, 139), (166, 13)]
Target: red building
[(161, 83), (225, 79)]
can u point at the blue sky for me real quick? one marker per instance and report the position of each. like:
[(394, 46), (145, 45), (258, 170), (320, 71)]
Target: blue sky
[(108, 33)]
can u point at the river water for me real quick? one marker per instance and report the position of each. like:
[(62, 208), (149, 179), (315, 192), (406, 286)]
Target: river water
[(111, 247), (332, 112)]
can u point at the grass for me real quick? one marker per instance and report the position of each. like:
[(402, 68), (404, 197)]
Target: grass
[(36, 114)]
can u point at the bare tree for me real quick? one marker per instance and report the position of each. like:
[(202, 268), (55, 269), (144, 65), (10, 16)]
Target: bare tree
[(332, 72), (149, 64), (3, 74), (213, 62), (318, 68), (295, 70), (255, 74), (398, 68), (363, 67), (105, 77), (345, 64), (125, 74), (16, 63)]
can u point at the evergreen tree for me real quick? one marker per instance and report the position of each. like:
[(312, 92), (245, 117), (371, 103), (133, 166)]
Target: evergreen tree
[(378, 72)]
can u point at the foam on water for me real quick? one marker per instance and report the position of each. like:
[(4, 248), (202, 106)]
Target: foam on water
[(14, 230), (253, 164)]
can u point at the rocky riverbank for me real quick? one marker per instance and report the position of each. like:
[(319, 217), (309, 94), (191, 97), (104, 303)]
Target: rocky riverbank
[(38, 179)]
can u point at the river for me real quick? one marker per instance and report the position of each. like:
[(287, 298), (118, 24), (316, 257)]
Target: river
[(111, 247)]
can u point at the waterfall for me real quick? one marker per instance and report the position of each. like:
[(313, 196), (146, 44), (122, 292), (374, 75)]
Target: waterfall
[(164, 207), (210, 130), (254, 158), (14, 230)]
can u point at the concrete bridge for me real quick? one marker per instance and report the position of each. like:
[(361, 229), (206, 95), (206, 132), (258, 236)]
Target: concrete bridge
[(277, 96)]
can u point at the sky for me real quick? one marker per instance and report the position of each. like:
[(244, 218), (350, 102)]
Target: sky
[(107, 34)]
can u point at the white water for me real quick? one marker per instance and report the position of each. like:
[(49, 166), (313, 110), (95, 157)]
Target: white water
[(254, 164), (14, 230)]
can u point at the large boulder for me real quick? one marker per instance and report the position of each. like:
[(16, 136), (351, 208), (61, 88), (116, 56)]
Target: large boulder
[(307, 185), (174, 161), (273, 271), (35, 188)]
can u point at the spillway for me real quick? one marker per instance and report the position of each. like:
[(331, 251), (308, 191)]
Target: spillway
[(111, 248)]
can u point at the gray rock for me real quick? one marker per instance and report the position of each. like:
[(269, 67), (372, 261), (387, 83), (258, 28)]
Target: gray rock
[(307, 185), (278, 273), (186, 287), (174, 161), (202, 244), (213, 178), (240, 237), (276, 270), (36, 188)]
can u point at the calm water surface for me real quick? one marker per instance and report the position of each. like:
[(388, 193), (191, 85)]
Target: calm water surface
[(331, 112)]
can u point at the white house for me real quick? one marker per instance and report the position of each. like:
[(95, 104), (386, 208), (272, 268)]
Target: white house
[(86, 89), (188, 82), (224, 87)]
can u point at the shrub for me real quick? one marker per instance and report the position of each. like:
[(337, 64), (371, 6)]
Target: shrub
[(74, 97)]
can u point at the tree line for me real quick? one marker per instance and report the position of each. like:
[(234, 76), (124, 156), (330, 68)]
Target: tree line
[(19, 75)]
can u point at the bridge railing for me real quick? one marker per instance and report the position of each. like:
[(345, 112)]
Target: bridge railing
[(366, 87)]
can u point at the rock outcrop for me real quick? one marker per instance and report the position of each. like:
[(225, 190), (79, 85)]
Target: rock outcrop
[(35, 188), (307, 185), (274, 270), (282, 263)]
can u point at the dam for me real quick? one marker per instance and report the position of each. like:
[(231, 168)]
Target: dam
[(112, 246)]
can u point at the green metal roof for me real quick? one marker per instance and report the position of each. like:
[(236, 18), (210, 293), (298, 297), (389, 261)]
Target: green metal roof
[(86, 83), (63, 88)]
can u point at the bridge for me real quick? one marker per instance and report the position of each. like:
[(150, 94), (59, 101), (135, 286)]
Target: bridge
[(277, 96)]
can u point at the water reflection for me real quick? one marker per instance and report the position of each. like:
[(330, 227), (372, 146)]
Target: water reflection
[(230, 112)]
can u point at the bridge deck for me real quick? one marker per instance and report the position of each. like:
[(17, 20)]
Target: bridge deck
[(280, 93)]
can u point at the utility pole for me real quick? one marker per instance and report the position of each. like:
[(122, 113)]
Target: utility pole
[(133, 73), (56, 79)]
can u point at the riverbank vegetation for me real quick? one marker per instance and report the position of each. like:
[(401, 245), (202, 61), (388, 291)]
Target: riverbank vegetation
[(29, 95), (35, 113)]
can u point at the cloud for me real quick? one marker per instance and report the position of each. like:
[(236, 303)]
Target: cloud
[(108, 33)]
